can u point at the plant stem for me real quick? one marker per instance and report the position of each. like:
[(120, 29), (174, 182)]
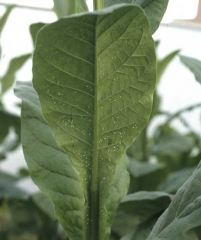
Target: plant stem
[(26, 7), (98, 4), (175, 115)]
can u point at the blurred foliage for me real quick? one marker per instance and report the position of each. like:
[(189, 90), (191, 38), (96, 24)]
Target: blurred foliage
[(159, 165)]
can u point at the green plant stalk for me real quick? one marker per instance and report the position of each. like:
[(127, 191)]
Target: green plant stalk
[(71, 7), (187, 109), (98, 4)]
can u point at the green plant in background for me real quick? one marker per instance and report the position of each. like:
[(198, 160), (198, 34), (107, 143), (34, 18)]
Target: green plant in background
[(64, 94)]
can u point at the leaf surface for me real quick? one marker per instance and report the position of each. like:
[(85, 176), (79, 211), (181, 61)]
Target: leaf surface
[(95, 76), (184, 212), (34, 29), (175, 180), (154, 9), (58, 181)]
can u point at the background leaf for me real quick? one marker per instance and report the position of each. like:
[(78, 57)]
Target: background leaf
[(162, 64), (8, 79), (142, 173), (154, 9), (137, 208), (184, 212), (175, 180), (5, 17), (8, 187), (194, 65)]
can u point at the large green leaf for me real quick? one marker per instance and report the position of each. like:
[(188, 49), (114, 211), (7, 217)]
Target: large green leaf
[(184, 212), (95, 76), (65, 192), (9, 77), (194, 65), (138, 207), (65, 7), (154, 9)]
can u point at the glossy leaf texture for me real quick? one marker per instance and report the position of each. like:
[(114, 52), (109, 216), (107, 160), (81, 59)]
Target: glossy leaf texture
[(95, 76), (194, 65), (154, 9), (184, 212)]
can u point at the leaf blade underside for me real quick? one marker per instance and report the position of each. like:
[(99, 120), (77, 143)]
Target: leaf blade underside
[(95, 76)]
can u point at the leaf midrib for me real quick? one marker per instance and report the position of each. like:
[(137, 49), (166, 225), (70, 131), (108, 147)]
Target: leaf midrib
[(94, 208)]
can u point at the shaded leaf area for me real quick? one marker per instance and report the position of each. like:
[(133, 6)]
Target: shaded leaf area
[(8, 123), (8, 79), (172, 148), (8, 187), (142, 231), (31, 218), (64, 8), (58, 181), (145, 176), (137, 208), (194, 65), (154, 9), (184, 212), (175, 180), (24, 172), (96, 97)]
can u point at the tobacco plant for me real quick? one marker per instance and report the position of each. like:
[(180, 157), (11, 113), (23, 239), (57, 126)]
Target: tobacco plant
[(94, 76)]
